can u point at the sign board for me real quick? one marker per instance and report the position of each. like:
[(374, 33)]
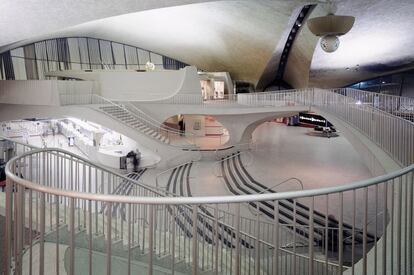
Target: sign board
[(313, 119)]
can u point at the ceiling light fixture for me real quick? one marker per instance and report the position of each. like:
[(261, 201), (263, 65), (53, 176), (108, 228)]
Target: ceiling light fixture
[(329, 27)]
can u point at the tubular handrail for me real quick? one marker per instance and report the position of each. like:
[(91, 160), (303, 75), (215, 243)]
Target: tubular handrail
[(372, 94), (156, 122), (150, 123), (271, 245), (158, 128), (280, 183), (194, 218), (172, 168), (19, 142), (194, 200), (230, 157), (354, 101), (84, 160)]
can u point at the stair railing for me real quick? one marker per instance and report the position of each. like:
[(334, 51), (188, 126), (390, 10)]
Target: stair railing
[(171, 169), (96, 99), (298, 181), (64, 185), (217, 163)]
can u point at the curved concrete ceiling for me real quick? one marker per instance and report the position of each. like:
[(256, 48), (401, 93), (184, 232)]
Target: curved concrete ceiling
[(24, 19), (381, 42), (236, 36)]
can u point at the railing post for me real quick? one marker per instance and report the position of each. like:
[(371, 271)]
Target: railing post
[(109, 238), (341, 233), (237, 229), (311, 236), (194, 241), (365, 232), (72, 236), (216, 240), (276, 239), (42, 235), (150, 239), (257, 246), (9, 224)]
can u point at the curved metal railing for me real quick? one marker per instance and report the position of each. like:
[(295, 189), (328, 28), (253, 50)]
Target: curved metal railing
[(177, 228), (78, 196), (131, 109)]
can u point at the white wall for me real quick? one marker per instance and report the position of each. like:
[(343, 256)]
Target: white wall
[(140, 86), (190, 121), (33, 92), (39, 92), (153, 85)]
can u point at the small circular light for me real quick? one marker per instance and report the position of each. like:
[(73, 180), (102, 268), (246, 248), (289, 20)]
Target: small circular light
[(329, 43)]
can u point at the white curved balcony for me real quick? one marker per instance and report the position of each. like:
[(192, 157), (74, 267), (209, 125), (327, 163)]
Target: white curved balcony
[(73, 213)]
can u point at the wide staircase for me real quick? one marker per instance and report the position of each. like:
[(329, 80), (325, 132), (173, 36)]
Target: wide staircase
[(121, 114), (292, 213), (179, 185), (130, 115), (67, 203)]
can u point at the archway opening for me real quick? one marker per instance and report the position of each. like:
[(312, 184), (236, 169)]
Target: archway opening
[(203, 131)]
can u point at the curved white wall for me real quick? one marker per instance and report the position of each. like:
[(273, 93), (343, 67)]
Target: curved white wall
[(148, 86), (128, 85), (40, 92)]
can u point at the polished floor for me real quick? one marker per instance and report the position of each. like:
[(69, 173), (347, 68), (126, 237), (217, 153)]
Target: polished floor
[(284, 152)]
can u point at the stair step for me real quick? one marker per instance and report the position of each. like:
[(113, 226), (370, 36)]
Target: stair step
[(133, 122)]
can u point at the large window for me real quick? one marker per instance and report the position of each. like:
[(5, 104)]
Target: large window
[(399, 84), (34, 61)]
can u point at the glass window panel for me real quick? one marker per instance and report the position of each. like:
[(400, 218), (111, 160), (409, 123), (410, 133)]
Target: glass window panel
[(1, 69), (131, 57), (30, 62), (83, 49), (143, 58), (17, 52), (19, 68), (74, 50), (51, 50), (106, 53), (156, 59), (53, 66), (118, 53), (40, 49), (94, 54)]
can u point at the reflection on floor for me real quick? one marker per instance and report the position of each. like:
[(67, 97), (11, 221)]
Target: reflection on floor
[(284, 152)]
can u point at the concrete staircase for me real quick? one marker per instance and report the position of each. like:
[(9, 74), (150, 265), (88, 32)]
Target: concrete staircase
[(120, 253), (135, 122)]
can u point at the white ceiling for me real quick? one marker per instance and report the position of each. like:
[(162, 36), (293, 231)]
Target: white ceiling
[(25, 19), (380, 42), (236, 36)]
